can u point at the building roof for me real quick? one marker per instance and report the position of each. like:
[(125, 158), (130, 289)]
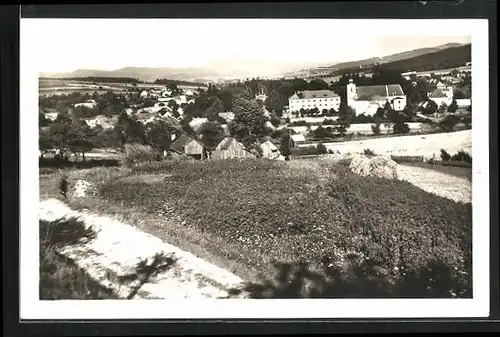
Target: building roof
[(181, 142), (308, 94), (373, 92), (436, 94), (298, 138), (227, 142)]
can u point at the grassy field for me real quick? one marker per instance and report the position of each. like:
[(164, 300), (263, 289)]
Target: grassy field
[(295, 229)]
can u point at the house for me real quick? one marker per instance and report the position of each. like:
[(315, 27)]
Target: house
[(166, 93), (197, 122), (129, 111), (88, 104), (103, 121), (51, 115), (269, 150), (261, 96), (228, 116), (310, 99), (297, 139), (230, 148), (144, 94), (364, 98), (440, 97), (189, 92), (189, 146)]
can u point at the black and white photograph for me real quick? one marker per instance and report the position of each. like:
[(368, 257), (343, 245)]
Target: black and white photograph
[(213, 168)]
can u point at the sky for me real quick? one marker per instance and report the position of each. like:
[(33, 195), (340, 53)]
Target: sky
[(65, 45)]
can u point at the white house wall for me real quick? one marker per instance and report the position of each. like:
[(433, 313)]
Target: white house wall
[(311, 103)]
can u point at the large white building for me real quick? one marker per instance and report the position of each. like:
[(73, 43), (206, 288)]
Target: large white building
[(367, 99), (310, 99)]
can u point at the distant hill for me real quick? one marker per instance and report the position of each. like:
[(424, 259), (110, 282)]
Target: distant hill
[(422, 58), (442, 59), (140, 73), (222, 69)]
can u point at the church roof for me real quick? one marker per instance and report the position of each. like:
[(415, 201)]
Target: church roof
[(308, 94)]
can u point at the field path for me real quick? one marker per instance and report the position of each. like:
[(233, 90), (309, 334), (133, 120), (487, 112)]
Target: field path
[(116, 250), (442, 184)]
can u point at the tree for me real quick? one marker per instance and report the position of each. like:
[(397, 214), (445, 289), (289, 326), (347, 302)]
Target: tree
[(448, 123), (249, 124), (376, 128), (42, 120), (130, 130), (397, 121), (45, 141), (318, 84), (159, 134), (346, 113), (211, 134), (453, 106), (275, 102), (60, 135), (431, 108), (286, 145), (442, 107), (215, 107), (81, 138), (459, 94)]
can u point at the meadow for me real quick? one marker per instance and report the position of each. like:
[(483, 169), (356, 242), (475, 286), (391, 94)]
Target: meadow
[(303, 228)]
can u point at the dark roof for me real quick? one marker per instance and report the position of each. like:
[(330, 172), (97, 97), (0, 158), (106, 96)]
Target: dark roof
[(437, 93), (308, 94), (377, 91), (181, 142)]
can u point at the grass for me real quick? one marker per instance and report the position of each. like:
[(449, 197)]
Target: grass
[(257, 217), (60, 277)]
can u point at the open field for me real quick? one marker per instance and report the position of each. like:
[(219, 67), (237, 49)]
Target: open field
[(313, 221), (417, 145)]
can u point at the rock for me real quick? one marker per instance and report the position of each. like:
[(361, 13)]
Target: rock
[(378, 166), (82, 189)]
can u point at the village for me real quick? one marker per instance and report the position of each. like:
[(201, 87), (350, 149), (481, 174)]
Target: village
[(309, 116)]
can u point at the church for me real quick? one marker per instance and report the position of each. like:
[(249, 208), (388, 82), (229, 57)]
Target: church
[(368, 98)]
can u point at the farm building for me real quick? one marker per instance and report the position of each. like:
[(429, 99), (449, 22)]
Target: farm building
[(189, 146), (269, 150), (144, 94), (231, 148)]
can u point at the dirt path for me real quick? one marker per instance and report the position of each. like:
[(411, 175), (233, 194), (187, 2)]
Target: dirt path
[(444, 185), (112, 258)]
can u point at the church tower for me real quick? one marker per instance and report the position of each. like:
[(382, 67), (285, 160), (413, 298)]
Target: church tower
[(351, 92)]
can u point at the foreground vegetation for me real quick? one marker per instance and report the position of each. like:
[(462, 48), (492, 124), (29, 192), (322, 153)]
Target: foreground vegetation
[(60, 278), (302, 228)]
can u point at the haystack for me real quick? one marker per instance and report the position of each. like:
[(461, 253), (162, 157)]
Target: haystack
[(378, 166)]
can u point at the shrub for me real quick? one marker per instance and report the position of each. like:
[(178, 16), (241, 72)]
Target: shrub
[(407, 159), (328, 122), (376, 129), (298, 123), (138, 153), (369, 152), (445, 156), (400, 128), (462, 156), (321, 148)]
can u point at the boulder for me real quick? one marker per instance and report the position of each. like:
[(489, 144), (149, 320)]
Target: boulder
[(377, 166)]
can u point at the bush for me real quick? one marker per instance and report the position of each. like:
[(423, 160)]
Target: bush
[(328, 122), (298, 123), (400, 128), (462, 156), (407, 159), (445, 156), (369, 152), (419, 243), (321, 148), (138, 153), (376, 129)]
